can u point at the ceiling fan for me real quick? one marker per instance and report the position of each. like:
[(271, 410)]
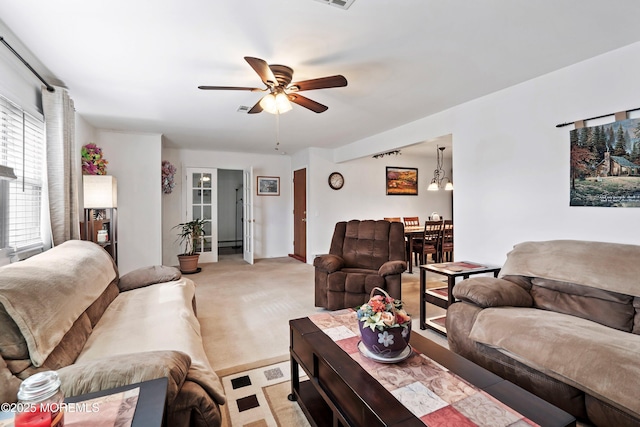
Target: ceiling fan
[(278, 78)]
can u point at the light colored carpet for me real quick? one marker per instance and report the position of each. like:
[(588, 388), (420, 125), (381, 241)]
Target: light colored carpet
[(244, 310)]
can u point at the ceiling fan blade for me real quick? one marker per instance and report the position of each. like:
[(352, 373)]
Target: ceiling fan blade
[(307, 103), (252, 89), (256, 108), (261, 67), (321, 83)]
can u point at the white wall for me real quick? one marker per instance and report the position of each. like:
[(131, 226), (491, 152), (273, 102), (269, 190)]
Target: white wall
[(364, 194), (135, 161), (512, 164), (85, 133), (273, 229), (17, 83)]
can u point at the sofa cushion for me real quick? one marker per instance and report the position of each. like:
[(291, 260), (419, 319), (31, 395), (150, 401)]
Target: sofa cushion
[(594, 358), (12, 343), (9, 391), (366, 244), (609, 266), (605, 307), (146, 276), (47, 293), (491, 292), (163, 315)]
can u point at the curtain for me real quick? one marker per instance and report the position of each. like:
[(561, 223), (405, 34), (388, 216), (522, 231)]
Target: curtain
[(62, 164)]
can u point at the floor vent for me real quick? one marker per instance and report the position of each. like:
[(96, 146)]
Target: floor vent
[(342, 4)]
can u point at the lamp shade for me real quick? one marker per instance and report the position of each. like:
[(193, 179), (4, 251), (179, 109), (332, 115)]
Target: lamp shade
[(100, 191), (7, 173), (433, 186)]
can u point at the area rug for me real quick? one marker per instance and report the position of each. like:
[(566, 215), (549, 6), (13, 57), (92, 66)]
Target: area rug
[(257, 395)]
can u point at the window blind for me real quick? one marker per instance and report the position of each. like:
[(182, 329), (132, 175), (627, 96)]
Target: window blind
[(22, 148)]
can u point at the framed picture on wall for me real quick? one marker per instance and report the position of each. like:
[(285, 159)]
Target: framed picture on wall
[(402, 181), (268, 186)]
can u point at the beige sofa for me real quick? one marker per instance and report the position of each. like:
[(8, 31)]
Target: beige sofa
[(562, 321), (67, 310)]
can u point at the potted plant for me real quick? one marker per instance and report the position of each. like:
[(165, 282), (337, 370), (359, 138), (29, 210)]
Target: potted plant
[(190, 233)]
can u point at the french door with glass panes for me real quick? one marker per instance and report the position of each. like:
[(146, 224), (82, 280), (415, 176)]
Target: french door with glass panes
[(202, 202)]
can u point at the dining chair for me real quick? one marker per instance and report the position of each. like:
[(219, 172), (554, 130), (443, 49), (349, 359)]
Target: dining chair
[(411, 221), (393, 219), (446, 241), (430, 244)]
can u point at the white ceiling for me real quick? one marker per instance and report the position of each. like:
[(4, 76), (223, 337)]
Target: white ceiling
[(135, 65)]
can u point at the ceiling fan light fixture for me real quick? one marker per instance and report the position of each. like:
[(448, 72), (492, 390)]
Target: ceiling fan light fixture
[(275, 104)]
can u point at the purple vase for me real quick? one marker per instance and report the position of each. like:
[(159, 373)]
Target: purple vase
[(388, 343)]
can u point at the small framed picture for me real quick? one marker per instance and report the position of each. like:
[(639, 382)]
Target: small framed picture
[(268, 186), (402, 181)]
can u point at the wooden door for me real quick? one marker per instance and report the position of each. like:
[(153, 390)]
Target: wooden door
[(247, 215), (300, 214)]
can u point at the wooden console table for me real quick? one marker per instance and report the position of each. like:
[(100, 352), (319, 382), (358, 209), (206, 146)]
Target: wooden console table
[(443, 296)]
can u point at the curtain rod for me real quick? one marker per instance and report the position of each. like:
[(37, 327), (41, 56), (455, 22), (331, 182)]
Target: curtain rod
[(593, 118), (49, 87)]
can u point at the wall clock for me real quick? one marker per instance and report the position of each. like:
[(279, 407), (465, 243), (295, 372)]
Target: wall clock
[(336, 180)]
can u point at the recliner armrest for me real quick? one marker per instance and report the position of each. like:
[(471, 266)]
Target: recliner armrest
[(328, 263), (492, 292), (115, 371), (146, 276), (392, 267)]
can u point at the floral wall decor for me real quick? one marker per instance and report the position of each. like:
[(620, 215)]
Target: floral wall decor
[(92, 161), (168, 171)]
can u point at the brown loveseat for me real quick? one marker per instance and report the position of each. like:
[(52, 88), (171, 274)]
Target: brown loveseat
[(562, 321), (67, 310), (363, 255)]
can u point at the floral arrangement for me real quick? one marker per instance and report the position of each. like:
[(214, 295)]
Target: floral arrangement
[(168, 171), (92, 161), (383, 312)]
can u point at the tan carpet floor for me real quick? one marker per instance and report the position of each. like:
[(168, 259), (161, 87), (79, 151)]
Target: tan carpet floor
[(244, 309)]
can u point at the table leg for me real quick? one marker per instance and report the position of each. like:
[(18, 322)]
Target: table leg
[(295, 380), (451, 282), (423, 291), (410, 253)]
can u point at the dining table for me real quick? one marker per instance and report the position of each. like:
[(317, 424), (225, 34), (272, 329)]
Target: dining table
[(410, 233)]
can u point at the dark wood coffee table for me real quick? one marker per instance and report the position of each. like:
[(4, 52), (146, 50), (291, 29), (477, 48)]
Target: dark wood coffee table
[(341, 393)]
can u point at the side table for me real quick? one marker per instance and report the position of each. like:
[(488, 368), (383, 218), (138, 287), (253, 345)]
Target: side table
[(151, 401), (443, 296)]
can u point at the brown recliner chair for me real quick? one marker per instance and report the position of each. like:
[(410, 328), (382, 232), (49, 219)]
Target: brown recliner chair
[(363, 255)]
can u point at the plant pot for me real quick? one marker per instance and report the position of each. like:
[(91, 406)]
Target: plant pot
[(388, 343), (188, 263)]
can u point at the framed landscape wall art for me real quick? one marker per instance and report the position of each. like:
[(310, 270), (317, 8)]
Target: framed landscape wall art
[(402, 181), (268, 186), (605, 165)]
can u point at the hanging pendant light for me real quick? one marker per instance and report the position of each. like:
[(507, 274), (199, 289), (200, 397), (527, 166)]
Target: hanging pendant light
[(439, 174)]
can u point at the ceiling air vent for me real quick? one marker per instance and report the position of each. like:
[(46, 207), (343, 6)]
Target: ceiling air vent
[(342, 4), (242, 109)]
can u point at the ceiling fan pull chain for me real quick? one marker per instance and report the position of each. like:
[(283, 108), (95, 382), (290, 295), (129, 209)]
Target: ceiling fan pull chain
[(277, 130)]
